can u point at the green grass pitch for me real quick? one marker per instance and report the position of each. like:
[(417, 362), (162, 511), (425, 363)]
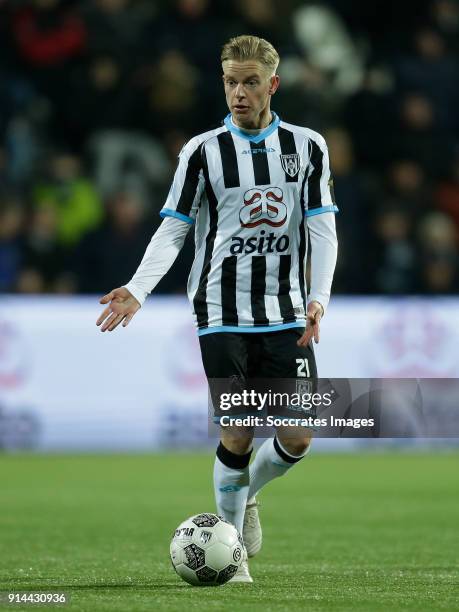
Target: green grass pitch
[(377, 531)]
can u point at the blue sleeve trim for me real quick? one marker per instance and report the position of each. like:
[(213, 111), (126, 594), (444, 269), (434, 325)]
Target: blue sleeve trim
[(167, 212), (320, 210)]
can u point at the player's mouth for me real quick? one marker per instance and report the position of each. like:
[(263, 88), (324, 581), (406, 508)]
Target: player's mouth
[(240, 108)]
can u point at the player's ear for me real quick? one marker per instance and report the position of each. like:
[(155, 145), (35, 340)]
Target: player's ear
[(274, 84)]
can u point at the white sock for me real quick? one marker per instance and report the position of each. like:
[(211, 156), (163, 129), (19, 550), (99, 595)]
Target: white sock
[(231, 486), (271, 461)]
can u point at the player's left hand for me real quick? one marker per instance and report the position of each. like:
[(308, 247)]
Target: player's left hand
[(313, 316)]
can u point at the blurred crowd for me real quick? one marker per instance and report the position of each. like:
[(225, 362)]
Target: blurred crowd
[(97, 98)]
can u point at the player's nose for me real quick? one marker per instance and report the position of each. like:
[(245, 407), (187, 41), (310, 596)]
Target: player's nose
[(239, 91)]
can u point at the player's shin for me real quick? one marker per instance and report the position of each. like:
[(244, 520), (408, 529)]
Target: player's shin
[(271, 461), (231, 483)]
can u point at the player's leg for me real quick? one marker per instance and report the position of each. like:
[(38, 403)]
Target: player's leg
[(281, 358), (276, 456), (224, 357), (231, 473), (231, 483)]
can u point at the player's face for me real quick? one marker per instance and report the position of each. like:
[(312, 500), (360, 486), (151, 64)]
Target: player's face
[(248, 90)]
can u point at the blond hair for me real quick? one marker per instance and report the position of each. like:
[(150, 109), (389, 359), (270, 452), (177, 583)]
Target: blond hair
[(243, 48)]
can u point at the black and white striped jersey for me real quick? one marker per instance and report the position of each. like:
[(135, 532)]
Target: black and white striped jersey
[(248, 196)]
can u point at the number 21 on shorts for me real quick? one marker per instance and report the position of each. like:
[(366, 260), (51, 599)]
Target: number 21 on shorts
[(302, 367)]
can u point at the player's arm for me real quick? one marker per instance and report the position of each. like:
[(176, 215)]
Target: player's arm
[(179, 213), (160, 254), (321, 227)]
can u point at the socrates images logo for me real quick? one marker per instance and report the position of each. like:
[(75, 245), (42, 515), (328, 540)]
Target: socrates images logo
[(263, 206)]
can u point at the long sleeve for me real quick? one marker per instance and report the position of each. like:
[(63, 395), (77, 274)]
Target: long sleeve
[(324, 250), (320, 220), (159, 256)]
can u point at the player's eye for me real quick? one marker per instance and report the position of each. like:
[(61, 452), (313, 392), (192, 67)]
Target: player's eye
[(252, 83)]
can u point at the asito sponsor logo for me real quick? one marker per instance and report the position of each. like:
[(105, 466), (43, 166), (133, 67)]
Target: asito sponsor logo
[(272, 243)]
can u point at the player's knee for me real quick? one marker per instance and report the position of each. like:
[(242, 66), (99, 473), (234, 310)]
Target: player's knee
[(238, 446), (296, 446), (238, 442)]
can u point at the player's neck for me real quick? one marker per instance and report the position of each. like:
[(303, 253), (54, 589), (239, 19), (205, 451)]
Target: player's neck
[(264, 119)]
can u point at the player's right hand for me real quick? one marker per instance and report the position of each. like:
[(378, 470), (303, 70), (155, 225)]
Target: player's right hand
[(122, 306)]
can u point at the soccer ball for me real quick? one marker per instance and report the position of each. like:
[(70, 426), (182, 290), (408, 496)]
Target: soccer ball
[(206, 550)]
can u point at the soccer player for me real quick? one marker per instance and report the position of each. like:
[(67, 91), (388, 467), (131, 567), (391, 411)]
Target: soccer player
[(256, 189)]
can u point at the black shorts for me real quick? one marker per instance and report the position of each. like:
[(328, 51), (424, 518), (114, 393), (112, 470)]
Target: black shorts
[(234, 362), (257, 355)]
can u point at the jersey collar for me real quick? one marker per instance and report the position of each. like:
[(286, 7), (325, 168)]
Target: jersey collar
[(256, 138)]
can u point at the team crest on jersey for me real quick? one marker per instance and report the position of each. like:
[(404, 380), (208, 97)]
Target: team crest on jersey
[(290, 163), (263, 206)]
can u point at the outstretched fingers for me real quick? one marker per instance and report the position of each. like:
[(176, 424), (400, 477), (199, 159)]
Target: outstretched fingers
[(306, 337), (312, 329), (128, 318), (112, 322), (103, 316), (121, 307), (116, 322)]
